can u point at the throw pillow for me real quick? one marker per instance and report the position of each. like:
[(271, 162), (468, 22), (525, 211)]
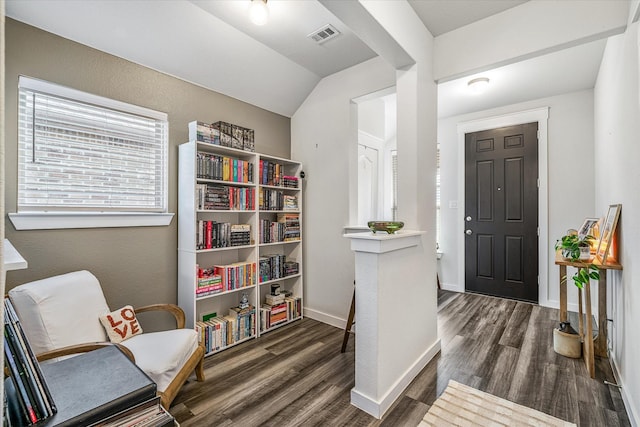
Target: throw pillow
[(121, 324)]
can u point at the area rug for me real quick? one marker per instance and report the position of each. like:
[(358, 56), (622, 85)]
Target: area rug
[(461, 405)]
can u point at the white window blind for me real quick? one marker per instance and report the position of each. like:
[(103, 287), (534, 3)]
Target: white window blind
[(81, 152)]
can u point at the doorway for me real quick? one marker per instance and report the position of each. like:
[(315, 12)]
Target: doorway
[(501, 212)]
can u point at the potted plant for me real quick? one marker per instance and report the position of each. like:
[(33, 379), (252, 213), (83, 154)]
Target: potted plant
[(577, 248)]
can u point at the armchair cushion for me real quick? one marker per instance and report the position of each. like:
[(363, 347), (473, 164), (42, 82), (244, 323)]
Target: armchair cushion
[(121, 324), (51, 315), (163, 354)]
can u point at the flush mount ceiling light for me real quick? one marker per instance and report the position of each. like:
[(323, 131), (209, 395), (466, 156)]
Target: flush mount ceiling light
[(478, 85), (258, 12)]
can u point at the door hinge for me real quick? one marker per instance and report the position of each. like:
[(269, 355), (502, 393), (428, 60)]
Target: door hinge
[(538, 231), (538, 134), (538, 280), (538, 182)]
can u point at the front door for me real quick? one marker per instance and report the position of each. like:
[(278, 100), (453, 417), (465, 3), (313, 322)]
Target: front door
[(501, 218)]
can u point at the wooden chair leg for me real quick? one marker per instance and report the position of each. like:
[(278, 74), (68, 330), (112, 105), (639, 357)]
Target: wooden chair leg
[(347, 328)]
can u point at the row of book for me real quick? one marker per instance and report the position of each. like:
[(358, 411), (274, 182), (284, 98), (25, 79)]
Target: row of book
[(276, 200), (279, 311), (285, 229), (224, 197), (276, 266), (147, 414), (222, 168), (224, 134), (272, 173), (212, 234), (209, 285), (219, 332), (34, 398), (235, 276)]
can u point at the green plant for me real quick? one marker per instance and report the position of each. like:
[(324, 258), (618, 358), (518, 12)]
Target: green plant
[(570, 245)]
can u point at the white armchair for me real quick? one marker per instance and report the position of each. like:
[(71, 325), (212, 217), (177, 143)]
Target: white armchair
[(60, 316)]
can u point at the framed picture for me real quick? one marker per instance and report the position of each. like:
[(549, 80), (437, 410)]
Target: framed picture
[(607, 232), (587, 226)]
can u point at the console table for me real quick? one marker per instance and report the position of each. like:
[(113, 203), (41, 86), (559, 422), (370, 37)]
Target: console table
[(590, 347)]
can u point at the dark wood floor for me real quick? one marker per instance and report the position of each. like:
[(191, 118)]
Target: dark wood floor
[(297, 376)]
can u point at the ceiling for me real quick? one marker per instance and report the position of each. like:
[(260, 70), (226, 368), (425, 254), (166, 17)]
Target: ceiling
[(212, 43)]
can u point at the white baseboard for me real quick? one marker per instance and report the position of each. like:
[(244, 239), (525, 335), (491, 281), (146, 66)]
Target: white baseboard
[(329, 319), (378, 408), (631, 407), (451, 287)]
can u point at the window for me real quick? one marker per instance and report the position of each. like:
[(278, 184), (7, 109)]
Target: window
[(86, 156)]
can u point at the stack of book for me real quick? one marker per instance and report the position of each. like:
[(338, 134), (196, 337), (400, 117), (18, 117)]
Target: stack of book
[(289, 202), (208, 283), (242, 323), (290, 181), (291, 224), (34, 398), (147, 414), (291, 268), (240, 234)]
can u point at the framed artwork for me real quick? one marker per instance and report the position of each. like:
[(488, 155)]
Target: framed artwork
[(607, 232), (587, 226)]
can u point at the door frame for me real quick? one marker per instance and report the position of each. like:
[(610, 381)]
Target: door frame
[(541, 116)]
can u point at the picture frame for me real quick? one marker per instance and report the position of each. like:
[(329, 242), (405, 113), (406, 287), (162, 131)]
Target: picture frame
[(607, 233), (587, 226)]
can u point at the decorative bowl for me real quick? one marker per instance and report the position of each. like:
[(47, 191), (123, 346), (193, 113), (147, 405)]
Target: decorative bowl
[(389, 226)]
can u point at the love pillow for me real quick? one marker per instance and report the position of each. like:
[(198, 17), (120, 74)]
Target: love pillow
[(121, 324)]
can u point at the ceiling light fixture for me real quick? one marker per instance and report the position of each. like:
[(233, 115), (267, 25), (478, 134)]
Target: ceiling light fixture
[(478, 85), (258, 12)]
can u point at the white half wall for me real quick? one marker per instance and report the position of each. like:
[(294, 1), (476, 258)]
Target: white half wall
[(323, 138), (617, 126), (569, 138)]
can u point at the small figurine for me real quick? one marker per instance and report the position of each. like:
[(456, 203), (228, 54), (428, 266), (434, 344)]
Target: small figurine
[(244, 301)]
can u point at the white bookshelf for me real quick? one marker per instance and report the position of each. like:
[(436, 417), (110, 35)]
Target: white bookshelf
[(189, 256)]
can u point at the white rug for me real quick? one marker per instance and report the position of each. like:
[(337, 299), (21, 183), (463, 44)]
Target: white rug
[(461, 405)]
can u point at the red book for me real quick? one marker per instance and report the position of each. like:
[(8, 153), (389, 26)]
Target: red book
[(209, 240)]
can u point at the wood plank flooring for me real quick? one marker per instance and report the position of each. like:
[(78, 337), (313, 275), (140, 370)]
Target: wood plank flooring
[(296, 375)]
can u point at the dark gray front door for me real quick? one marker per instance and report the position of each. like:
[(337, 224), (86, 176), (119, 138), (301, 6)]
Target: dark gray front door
[(501, 218)]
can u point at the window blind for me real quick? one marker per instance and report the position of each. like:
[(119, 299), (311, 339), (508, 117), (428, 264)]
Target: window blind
[(81, 154)]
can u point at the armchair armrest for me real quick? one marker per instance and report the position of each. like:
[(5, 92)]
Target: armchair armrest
[(177, 312), (82, 348)]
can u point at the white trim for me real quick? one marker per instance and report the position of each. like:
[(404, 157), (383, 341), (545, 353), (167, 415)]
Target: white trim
[(326, 318), (89, 98), (60, 220), (632, 413), (540, 115), (378, 408)]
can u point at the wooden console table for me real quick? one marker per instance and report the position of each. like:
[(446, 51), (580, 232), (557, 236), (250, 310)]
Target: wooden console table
[(590, 347)]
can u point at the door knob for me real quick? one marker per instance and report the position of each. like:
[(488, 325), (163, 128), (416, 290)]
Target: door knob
[(468, 232), (468, 219)]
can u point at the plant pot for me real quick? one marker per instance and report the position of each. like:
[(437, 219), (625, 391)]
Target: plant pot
[(585, 253)]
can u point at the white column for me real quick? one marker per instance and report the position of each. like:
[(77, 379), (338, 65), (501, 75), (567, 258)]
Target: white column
[(393, 319)]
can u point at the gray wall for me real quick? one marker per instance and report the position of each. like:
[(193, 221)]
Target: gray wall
[(135, 265)]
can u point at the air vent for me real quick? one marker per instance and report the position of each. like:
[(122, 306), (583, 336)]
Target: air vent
[(325, 33)]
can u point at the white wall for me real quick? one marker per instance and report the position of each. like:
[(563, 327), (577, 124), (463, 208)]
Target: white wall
[(617, 127), (570, 138), (323, 138)]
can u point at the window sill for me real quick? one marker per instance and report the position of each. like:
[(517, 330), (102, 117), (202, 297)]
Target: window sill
[(62, 220)]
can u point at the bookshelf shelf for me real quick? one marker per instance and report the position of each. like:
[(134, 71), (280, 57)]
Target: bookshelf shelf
[(280, 325), (198, 267), (268, 282), (211, 353)]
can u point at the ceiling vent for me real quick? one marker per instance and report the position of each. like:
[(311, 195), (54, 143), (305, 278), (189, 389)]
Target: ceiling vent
[(324, 34)]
